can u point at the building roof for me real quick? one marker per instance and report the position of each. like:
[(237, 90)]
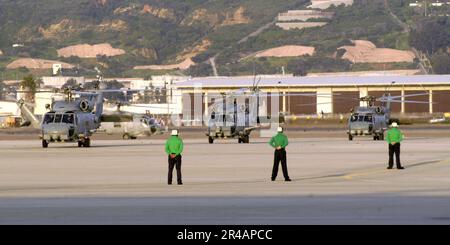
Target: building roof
[(325, 81)]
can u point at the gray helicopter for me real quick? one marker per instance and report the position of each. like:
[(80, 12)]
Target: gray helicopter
[(372, 120), (228, 120), (71, 120), (129, 125), (240, 112)]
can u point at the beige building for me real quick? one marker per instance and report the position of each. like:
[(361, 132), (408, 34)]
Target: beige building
[(329, 94)]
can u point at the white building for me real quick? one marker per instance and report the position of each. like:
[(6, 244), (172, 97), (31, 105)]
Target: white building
[(59, 81), (9, 109)]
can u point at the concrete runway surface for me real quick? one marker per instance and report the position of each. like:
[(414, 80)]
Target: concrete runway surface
[(124, 182)]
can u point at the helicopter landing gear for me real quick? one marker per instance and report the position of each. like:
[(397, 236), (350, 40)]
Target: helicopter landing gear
[(44, 144), (85, 142), (350, 137), (244, 139), (378, 137), (126, 136), (211, 140)]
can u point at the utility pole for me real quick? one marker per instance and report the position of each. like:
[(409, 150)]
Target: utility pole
[(426, 8)]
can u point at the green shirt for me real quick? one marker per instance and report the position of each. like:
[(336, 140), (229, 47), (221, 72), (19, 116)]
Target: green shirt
[(174, 145), (394, 135), (279, 140)]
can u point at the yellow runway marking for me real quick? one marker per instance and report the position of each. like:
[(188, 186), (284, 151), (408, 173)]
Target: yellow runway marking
[(359, 174), (376, 171)]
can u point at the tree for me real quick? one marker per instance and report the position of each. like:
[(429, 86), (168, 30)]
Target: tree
[(441, 63), (430, 36), (298, 67), (30, 84), (71, 84), (200, 70), (2, 87)]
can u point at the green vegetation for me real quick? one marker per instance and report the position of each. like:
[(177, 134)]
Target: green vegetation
[(431, 35), (2, 87), (175, 27), (441, 63), (430, 31), (365, 19)]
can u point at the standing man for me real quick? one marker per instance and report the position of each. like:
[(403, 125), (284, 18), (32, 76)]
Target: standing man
[(279, 142), (394, 136), (174, 148)]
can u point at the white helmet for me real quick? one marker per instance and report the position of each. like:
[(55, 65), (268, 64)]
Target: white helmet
[(174, 132), (280, 129), (394, 125)]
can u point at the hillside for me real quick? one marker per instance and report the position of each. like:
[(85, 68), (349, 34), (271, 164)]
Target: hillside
[(119, 35)]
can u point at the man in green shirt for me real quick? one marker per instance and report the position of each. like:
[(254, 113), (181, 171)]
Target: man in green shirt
[(279, 142), (174, 148), (394, 136)]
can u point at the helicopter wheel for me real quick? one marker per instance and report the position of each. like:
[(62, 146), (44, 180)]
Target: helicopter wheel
[(211, 140), (239, 140), (80, 144), (246, 139), (126, 136), (44, 144), (87, 142), (350, 137)]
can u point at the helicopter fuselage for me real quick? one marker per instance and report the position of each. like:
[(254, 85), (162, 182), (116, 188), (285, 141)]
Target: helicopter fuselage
[(138, 126), (231, 121), (68, 126), (368, 121)]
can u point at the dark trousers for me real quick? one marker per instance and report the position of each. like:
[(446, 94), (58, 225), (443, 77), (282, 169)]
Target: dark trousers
[(394, 149), (174, 162), (280, 156)]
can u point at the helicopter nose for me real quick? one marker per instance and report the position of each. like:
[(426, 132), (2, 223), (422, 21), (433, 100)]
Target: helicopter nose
[(56, 133)]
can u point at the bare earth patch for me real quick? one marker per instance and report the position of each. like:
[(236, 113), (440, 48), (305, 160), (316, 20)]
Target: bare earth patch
[(367, 52), (182, 66), (286, 51), (31, 63), (324, 4), (90, 51)]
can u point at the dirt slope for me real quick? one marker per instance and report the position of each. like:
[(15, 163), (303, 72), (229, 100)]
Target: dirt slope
[(367, 52), (286, 51), (90, 51), (31, 63)]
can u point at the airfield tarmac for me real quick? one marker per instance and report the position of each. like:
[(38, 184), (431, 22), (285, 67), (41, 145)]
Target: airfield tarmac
[(124, 182)]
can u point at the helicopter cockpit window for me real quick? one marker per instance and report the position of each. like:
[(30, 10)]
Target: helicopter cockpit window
[(354, 118), (68, 118), (368, 118), (58, 118), (49, 117)]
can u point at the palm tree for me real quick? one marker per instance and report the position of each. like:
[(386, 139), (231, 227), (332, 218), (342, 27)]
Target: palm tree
[(30, 84)]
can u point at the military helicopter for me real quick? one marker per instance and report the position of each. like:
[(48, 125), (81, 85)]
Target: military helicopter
[(238, 113), (71, 120), (371, 120), (129, 125)]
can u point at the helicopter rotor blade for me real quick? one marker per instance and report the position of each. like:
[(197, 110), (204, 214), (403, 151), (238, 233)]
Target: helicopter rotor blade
[(410, 101), (405, 96)]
